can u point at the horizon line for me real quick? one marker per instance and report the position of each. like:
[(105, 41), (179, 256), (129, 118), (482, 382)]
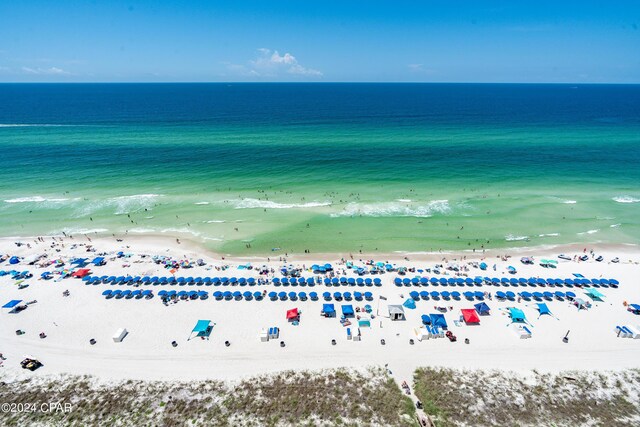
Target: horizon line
[(333, 82)]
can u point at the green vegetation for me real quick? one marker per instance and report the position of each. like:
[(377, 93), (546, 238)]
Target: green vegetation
[(335, 397), (492, 398)]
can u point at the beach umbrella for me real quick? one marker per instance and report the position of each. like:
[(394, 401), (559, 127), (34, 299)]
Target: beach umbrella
[(302, 296), (547, 295), (605, 282), (510, 295), (206, 281), (311, 281), (251, 281), (415, 295), (107, 292), (224, 280), (162, 293), (445, 294), (351, 281), (443, 281), (360, 281), (337, 295), (513, 281), (368, 296), (335, 281), (434, 280), (242, 281), (424, 281), (377, 282), (424, 294), (237, 295), (541, 282), (501, 295), (292, 295), (193, 294), (559, 295), (434, 294), (313, 296), (257, 295), (455, 295), (368, 281), (147, 293), (479, 295), (227, 295), (117, 293), (233, 280), (180, 280), (347, 296), (328, 267), (284, 281), (326, 295), (468, 295), (357, 296), (538, 295), (136, 293), (273, 295), (182, 293), (215, 280), (406, 281), (525, 295), (172, 293), (247, 295), (111, 279), (415, 281), (343, 280), (478, 280), (522, 280), (302, 281), (468, 281), (327, 281), (532, 281)]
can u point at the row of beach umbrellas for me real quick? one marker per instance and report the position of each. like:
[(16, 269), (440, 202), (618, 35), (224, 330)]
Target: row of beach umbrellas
[(505, 281)]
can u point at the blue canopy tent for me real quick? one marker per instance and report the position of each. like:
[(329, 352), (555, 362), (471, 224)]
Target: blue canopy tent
[(482, 308), (437, 319), (409, 303), (543, 309), (347, 310), (594, 294), (12, 305), (328, 310), (634, 308), (202, 329), (517, 315), (98, 261)]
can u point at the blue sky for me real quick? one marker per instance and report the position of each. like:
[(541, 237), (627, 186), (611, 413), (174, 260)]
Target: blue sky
[(327, 41)]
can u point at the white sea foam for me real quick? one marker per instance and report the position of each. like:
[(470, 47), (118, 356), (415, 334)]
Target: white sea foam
[(141, 230), (615, 225), (595, 230), (37, 199), (201, 203), (513, 238), (625, 199), (72, 231), (404, 200), (121, 204), (569, 202), (387, 209), (212, 221), (268, 204), (548, 235)]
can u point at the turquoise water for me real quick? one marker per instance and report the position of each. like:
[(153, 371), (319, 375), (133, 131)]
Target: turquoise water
[(248, 168)]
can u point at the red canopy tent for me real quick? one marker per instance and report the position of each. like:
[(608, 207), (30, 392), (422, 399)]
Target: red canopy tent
[(470, 315), (81, 273), (293, 314)]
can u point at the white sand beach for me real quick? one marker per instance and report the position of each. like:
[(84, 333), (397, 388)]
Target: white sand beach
[(70, 322)]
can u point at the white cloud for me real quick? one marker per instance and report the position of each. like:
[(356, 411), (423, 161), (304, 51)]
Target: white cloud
[(271, 64), (51, 71)]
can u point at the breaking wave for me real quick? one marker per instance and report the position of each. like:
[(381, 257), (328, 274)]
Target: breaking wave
[(395, 209), (513, 238), (268, 204), (625, 199)]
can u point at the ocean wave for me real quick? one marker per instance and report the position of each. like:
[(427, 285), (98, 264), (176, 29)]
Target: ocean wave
[(595, 230), (615, 225), (513, 238), (39, 199), (395, 209), (549, 235), (625, 199), (72, 231), (201, 203), (212, 221), (121, 205), (32, 125), (569, 202), (141, 230), (268, 204), (404, 200)]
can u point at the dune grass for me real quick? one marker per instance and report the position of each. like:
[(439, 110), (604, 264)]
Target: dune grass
[(492, 398), (328, 398)]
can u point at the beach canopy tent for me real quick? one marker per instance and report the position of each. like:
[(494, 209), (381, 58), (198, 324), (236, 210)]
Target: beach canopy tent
[(396, 312), (594, 294), (328, 310), (517, 315), (81, 273), (409, 303), (202, 329), (437, 319), (293, 314), (470, 316), (482, 308), (364, 322), (347, 310), (12, 305), (98, 261), (543, 309), (634, 308)]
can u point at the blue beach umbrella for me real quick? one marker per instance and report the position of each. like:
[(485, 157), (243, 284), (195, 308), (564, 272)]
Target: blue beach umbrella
[(357, 296), (368, 296), (414, 295), (282, 295), (445, 294), (455, 295), (302, 296), (326, 295), (424, 294), (434, 294), (247, 295), (397, 281), (313, 296), (377, 282), (368, 281), (257, 295)]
